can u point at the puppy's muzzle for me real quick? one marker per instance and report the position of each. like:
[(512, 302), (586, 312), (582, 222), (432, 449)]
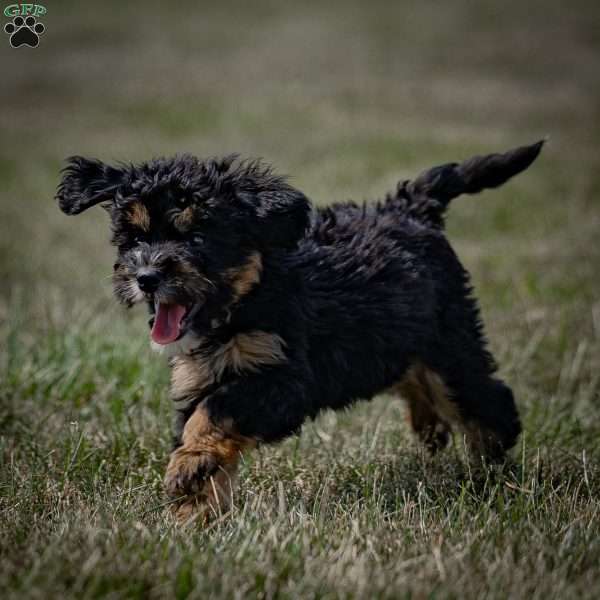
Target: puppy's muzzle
[(148, 280)]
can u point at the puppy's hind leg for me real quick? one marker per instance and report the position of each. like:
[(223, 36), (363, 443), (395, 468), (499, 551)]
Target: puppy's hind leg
[(482, 408), (481, 405), (427, 402), (490, 418)]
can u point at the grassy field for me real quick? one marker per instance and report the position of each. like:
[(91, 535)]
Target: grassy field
[(348, 97)]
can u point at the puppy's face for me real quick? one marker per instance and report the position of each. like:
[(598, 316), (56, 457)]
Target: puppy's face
[(190, 235)]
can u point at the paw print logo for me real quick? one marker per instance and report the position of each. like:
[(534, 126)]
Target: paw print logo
[(24, 32)]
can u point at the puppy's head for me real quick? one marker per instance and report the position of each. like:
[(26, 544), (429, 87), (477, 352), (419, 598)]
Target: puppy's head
[(190, 234)]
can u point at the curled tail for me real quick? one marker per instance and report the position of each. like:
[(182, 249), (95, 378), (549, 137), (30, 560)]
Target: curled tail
[(427, 197)]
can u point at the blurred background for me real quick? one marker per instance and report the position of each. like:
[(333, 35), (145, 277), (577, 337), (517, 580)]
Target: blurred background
[(346, 97)]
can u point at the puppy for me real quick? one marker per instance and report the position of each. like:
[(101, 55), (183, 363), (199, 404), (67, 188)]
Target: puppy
[(271, 310)]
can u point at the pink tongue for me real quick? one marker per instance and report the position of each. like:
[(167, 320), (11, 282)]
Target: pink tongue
[(167, 323)]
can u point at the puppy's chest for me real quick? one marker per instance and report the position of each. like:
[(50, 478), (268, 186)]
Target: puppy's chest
[(195, 375)]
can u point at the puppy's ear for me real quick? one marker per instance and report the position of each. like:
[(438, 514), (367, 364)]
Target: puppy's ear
[(85, 183), (280, 212), (283, 213)]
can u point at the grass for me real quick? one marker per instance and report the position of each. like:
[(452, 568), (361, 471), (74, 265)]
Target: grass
[(348, 98)]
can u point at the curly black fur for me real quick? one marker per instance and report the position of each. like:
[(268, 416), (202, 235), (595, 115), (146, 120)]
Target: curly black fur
[(359, 295)]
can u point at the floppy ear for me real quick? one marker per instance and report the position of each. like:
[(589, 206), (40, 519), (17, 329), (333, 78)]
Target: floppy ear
[(280, 212), (283, 213), (86, 182)]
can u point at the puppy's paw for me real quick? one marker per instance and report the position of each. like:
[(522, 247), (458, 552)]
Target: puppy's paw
[(192, 510), (214, 499), (188, 472)]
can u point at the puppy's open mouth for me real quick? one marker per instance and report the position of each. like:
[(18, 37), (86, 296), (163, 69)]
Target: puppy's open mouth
[(168, 322)]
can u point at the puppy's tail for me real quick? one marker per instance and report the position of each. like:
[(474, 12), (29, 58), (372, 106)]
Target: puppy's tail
[(427, 197)]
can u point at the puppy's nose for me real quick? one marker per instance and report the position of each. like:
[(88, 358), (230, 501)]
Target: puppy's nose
[(148, 280)]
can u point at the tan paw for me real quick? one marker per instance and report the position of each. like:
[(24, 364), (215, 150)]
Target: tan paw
[(214, 500), (193, 509), (188, 472)]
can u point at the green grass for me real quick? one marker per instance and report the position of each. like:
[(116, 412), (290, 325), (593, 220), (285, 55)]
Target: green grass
[(349, 98)]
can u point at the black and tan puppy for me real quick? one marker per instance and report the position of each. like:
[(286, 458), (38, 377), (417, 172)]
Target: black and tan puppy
[(271, 310)]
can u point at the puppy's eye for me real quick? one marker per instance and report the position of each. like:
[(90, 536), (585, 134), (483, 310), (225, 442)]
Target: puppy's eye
[(198, 240), (183, 201), (138, 239)]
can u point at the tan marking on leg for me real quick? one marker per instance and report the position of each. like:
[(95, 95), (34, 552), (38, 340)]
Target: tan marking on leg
[(217, 498), (248, 352), (430, 410), (139, 216), (190, 375), (438, 390), (205, 448), (481, 442), (244, 352)]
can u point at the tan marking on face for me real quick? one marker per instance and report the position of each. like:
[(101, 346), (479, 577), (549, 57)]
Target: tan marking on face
[(244, 278), (139, 216), (194, 281), (187, 269), (184, 219)]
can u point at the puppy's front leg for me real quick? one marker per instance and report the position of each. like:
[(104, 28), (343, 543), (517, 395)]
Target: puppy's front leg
[(202, 470), (265, 406)]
